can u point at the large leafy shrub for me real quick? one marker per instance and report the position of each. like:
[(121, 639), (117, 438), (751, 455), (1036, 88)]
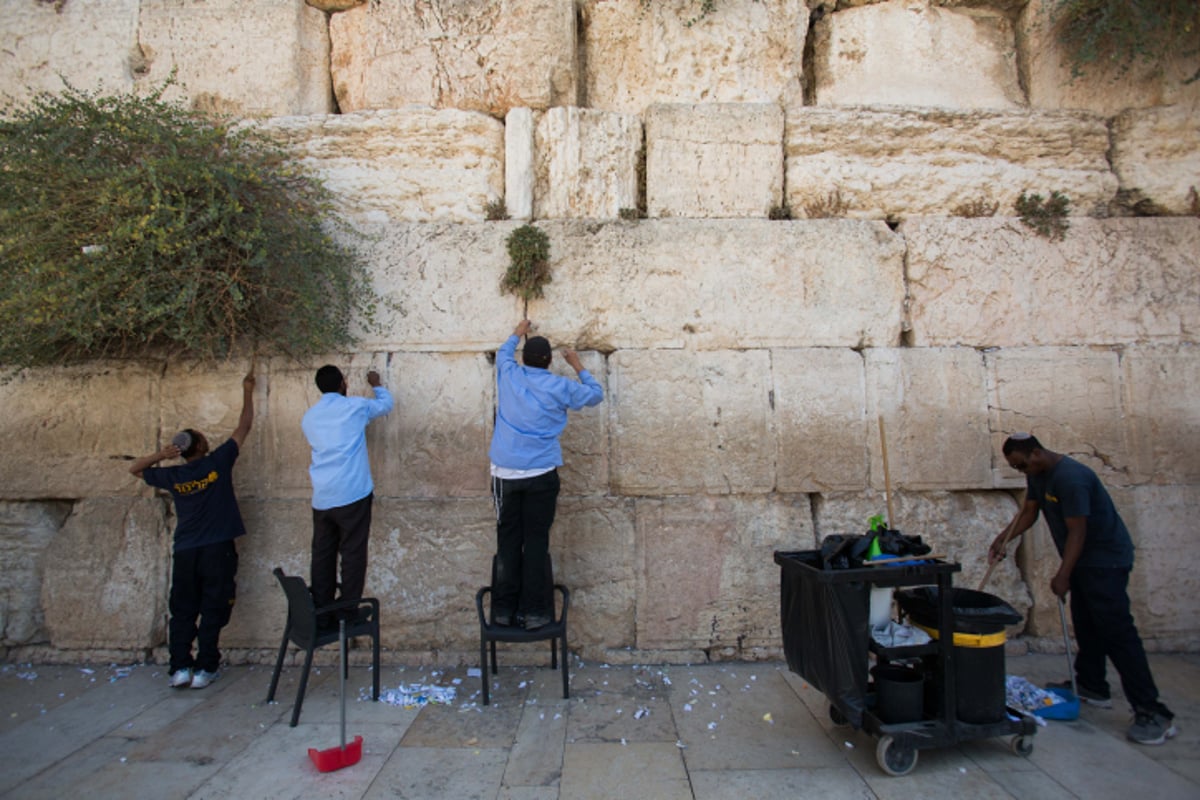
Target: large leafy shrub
[(130, 225)]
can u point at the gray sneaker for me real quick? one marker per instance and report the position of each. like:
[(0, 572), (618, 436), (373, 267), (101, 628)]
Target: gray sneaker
[(203, 678), (1085, 694), (1151, 727), (181, 678)]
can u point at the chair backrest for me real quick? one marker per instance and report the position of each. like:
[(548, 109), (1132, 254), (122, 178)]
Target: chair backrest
[(302, 613)]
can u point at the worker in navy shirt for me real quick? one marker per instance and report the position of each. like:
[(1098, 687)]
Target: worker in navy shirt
[(205, 560), (525, 456), (342, 488), (1097, 557)]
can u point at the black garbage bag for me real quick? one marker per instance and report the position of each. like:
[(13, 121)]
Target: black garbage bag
[(974, 612), (895, 543), (849, 552)]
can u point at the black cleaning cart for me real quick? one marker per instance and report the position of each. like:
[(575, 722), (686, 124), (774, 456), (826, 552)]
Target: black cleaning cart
[(827, 641)]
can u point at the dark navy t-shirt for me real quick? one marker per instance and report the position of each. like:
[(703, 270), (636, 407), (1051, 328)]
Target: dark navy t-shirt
[(1072, 489), (205, 506)]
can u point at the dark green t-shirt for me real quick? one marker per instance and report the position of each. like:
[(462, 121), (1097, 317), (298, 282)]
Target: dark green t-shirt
[(1072, 489)]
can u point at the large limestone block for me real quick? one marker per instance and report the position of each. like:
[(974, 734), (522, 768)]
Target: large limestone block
[(706, 576), (1165, 580), (959, 525), (995, 283), (1159, 385), (481, 55), (899, 163), (71, 432), (715, 433), (262, 59), (587, 163), (1047, 73), (934, 405), (912, 53), (88, 43), (1156, 155), (26, 530), (833, 283), (1070, 398), (714, 160), (106, 575), (820, 419), (585, 442), (519, 166), (745, 51), (415, 165)]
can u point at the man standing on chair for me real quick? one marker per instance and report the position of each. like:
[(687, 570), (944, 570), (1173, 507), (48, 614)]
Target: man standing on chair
[(525, 456), (341, 482), (205, 561)]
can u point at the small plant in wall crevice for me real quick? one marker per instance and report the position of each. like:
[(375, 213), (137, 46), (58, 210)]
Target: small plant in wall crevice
[(1047, 217), (529, 264)]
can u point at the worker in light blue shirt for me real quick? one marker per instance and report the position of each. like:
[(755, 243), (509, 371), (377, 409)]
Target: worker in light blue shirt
[(341, 481), (525, 456)]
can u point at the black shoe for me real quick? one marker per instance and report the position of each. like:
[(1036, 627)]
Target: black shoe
[(535, 621)]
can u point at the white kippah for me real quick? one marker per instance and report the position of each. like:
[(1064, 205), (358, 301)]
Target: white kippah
[(1019, 435), (182, 440)]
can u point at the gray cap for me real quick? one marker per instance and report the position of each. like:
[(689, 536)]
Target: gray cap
[(182, 440)]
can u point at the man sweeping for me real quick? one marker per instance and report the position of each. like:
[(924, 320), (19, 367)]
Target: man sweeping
[(205, 560), (1097, 556)]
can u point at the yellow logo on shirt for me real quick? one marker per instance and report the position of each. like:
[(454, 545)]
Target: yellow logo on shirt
[(191, 487), (1051, 498)]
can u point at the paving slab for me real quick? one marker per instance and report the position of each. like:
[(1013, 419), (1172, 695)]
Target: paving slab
[(605, 770), (422, 773)]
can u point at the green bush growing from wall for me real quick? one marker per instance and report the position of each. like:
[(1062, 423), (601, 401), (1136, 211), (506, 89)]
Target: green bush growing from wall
[(529, 263), (1116, 33), (133, 226)]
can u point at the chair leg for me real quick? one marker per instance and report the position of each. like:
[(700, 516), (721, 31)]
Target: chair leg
[(278, 667), (483, 666), (494, 670), (553, 654), (565, 677), (375, 666), (308, 659)]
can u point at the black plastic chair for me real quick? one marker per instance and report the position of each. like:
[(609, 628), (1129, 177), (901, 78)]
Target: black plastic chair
[(302, 630), (490, 633)]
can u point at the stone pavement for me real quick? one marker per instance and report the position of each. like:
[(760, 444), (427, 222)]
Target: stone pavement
[(730, 730)]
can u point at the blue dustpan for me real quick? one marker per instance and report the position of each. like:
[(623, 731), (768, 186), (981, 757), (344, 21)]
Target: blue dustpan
[(1068, 709)]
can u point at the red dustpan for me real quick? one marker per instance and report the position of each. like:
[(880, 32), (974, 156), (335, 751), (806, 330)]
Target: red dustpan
[(346, 755)]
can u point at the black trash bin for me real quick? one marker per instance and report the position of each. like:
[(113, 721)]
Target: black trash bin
[(978, 654)]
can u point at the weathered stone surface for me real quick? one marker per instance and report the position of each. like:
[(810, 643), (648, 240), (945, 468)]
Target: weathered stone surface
[(586, 163), (1114, 281), (26, 530), (1069, 397), (60, 445), (89, 43), (1156, 155), (934, 405), (705, 573), (585, 442), (519, 162), (1047, 73), (715, 437), (261, 59), (958, 525), (106, 574), (480, 55), (1159, 387), (335, 5), (744, 52), (820, 419), (414, 165), (892, 163), (833, 283), (1164, 583), (910, 53), (714, 160)]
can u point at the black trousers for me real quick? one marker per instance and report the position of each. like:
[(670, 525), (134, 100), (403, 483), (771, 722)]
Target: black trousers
[(340, 532), (524, 513), (1104, 628), (203, 587)]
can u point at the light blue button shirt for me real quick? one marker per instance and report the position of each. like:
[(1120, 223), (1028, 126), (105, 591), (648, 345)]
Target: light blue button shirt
[(336, 430)]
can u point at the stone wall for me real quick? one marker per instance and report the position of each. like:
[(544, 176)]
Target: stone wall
[(747, 362)]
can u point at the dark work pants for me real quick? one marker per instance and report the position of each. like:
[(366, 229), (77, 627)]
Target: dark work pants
[(202, 586), (342, 531), (524, 513), (1104, 628)]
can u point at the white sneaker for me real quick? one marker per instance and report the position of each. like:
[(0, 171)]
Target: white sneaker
[(181, 678), (203, 678)]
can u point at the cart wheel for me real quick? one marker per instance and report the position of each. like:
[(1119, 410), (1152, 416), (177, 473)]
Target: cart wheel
[(893, 758), (836, 716), (1021, 746)]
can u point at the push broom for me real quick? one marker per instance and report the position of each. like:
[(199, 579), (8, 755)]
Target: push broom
[(334, 758)]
